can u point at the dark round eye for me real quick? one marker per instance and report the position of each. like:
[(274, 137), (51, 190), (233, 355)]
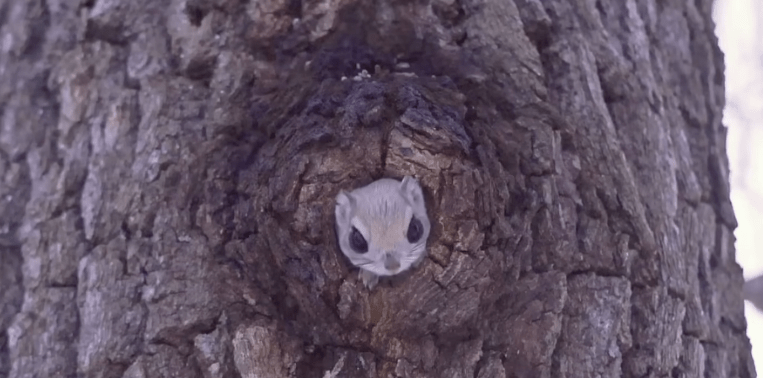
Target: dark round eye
[(415, 230), (357, 241)]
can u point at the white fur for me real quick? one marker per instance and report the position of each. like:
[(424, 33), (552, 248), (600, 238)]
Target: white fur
[(381, 212)]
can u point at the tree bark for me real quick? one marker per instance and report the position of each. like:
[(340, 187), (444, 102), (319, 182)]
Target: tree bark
[(169, 170)]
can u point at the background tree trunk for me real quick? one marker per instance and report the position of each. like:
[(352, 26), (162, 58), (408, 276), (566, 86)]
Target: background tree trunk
[(169, 170)]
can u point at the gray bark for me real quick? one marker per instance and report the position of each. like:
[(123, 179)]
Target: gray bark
[(169, 169)]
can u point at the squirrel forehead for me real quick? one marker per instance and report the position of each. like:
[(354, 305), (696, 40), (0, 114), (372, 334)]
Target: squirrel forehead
[(379, 200), (385, 218), (382, 212)]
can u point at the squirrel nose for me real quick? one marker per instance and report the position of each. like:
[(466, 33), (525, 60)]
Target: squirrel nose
[(391, 263)]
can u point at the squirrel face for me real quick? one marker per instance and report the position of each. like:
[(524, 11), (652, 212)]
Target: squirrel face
[(383, 227)]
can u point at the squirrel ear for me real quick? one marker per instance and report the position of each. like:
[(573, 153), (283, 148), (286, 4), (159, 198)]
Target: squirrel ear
[(411, 191), (343, 209)]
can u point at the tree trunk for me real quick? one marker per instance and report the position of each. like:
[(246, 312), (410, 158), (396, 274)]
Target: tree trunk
[(169, 170)]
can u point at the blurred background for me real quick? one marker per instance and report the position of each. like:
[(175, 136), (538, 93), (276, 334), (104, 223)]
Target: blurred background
[(739, 26)]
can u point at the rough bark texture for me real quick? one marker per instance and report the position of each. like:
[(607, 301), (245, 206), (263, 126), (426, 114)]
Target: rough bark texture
[(169, 170)]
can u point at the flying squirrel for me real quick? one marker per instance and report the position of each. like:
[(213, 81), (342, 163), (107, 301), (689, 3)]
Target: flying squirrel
[(383, 227)]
